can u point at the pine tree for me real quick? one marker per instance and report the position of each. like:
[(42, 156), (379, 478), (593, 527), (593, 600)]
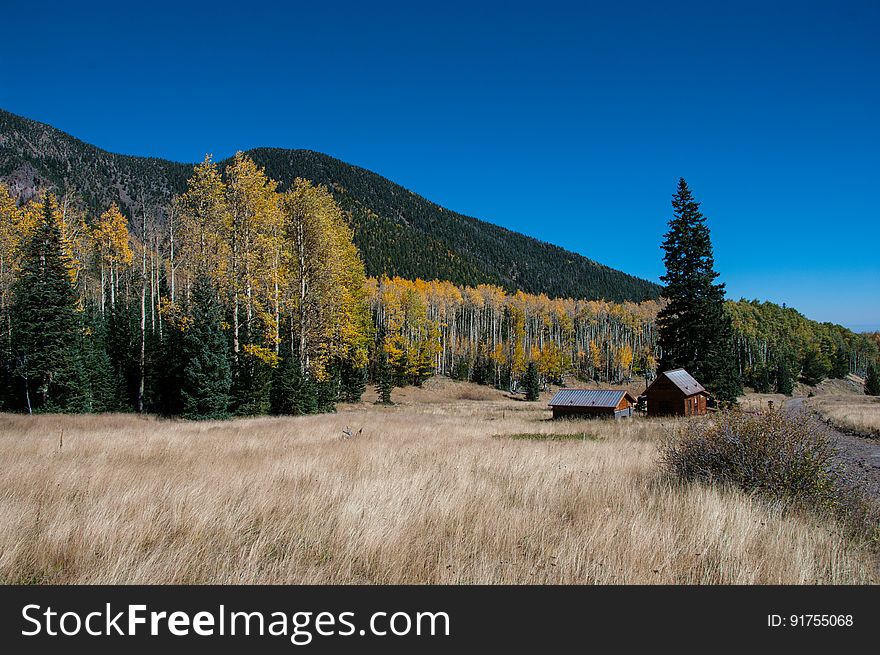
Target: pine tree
[(840, 363), (121, 345), (815, 366), (872, 380), (352, 380), (761, 380), (532, 382), (784, 379), (293, 392), (384, 375), (251, 386), (104, 387), (170, 367), (207, 376), (327, 392), (46, 326), (695, 330)]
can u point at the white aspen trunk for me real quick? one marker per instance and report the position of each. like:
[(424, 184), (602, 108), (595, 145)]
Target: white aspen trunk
[(172, 265), (103, 287), (277, 300), (303, 356), (152, 292), (158, 291), (142, 360), (112, 286), (248, 292)]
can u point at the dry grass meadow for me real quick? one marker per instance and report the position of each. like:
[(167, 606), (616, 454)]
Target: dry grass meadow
[(425, 494), (855, 413)]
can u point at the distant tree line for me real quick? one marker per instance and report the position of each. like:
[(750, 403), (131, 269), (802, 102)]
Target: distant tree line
[(243, 300), (776, 346), (488, 336)]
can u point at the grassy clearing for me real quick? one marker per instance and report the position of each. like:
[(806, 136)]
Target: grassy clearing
[(855, 413), (424, 495), (542, 436)]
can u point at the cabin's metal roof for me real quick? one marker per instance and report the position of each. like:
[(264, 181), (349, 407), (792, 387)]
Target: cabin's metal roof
[(587, 398), (684, 381)]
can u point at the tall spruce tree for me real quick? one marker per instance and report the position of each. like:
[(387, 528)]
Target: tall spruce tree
[(293, 391), (532, 382), (815, 366), (46, 326), (384, 374), (872, 380), (207, 375), (695, 331), (784, 379), (104, 387), (352, 381), (251, 386)]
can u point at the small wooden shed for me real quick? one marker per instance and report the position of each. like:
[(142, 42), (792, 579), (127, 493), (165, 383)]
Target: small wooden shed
[(676, 393), (592, 403)]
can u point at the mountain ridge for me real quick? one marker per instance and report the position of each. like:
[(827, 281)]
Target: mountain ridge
[(397, 231)]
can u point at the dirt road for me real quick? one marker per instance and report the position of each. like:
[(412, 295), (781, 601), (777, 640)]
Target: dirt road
[(859, 458)]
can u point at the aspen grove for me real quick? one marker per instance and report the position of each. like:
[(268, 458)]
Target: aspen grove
[(238, 298)]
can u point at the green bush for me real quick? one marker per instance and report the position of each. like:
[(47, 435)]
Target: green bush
[(787, 458)]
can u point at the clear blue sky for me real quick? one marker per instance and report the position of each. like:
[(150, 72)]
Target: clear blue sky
[(569, 123)]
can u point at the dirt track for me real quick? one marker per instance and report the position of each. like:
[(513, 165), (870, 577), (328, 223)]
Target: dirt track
[(858, 457)]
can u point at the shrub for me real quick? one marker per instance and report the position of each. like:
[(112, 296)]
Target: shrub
[(787, 458)]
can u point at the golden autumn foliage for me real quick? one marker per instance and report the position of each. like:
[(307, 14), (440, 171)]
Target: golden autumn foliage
[(458, 330), (111, 238), (111, 243), (204, 223), (289, 276), (323, 294)]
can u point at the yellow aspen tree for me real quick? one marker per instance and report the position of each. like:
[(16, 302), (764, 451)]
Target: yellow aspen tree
[(325, 279), (76, 237), (595, 358), (203, 217), (112, 245), (250, 198), (9, 245), (625, 359)]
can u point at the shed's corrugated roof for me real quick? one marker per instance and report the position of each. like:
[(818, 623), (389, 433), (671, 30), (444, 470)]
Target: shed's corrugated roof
[(684, 381), (587, 398)]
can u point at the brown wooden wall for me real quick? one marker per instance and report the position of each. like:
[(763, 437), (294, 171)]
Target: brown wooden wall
[(665, 399), (584, 412), (624, 403), (565, 411)]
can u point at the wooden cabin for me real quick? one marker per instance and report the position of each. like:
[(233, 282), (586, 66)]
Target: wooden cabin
[(676, 393), (592, 403)]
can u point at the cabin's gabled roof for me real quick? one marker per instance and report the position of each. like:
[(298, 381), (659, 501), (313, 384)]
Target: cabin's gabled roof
[(607, 398), (683, 380)]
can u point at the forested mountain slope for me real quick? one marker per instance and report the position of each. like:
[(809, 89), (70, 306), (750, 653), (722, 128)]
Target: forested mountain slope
[(397, 231)]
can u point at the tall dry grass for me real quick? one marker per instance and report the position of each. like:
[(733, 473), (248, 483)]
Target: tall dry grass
[(426, 494), (851, 412)]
